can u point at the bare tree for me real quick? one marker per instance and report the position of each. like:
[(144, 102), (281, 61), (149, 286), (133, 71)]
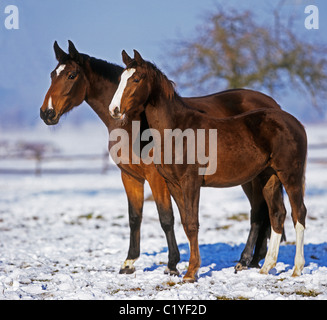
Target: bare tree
[(231, 50)]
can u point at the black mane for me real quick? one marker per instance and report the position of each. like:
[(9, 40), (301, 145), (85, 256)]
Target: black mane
[(105, 69)]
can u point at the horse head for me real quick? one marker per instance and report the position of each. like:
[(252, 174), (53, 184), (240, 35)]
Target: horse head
[(68, 85), (141, 83)]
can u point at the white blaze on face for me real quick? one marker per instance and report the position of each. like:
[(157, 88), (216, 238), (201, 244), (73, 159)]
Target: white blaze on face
[(59, 69), (116, 100), (50, 106)]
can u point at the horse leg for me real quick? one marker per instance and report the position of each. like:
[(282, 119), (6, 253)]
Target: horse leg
[(299, 260), (265, 228), (259, 224), (191, 228), (135, 195), (295, 194), (260, 250), (191, 192), (277, 214), (162, 199), (187, 199)]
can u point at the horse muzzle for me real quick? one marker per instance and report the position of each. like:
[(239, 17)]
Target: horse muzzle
[(116, 114), (49, 117)]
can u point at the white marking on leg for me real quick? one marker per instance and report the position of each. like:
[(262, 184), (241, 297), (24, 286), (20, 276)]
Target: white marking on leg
[(50, 106), (272, 254), (60, 69), (299, 255), (128, 264), (116, 100)]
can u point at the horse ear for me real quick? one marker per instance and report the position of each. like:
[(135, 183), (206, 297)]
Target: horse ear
[(126, 58), (60, 54), (74, 54), (137, 57)]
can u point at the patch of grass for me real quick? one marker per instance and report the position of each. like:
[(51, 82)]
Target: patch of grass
[(114, 291), (170, 283), (119, 217), (239, 217), (166, 285), (125, 290), (90, 215), (135, 289), (302, 293), (225, 227), (160, 288), (40, 280), (310, 293)]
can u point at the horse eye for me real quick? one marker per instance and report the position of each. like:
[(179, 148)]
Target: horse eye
[(136, 80), (72, 75)]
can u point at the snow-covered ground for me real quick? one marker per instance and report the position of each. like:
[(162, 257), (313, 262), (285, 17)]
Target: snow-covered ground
[(65, 236)]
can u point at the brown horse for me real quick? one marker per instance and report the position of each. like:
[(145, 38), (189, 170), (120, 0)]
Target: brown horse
[(268, 144), (79, 77)]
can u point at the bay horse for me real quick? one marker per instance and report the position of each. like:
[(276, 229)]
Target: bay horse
[(79, 77), (269, 144)]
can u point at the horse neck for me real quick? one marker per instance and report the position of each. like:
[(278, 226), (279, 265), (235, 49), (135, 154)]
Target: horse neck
[(164, 113), (99, 95)]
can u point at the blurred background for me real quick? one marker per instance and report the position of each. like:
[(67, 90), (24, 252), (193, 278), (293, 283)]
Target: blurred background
[(204, 46)]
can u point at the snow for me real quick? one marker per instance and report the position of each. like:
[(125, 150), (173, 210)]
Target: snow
[(65, 236)]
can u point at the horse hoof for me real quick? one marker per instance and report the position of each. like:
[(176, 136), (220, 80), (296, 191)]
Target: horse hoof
[(254, 265), (171, 272), (127, 270), (189, 280), (240, 267), (263, 271), (296, 272)]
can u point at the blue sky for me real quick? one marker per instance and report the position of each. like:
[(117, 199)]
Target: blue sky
[(102, 28)]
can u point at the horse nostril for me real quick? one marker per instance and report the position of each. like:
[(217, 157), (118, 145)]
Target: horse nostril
[(116, 111), (47, 114), (50, 114)]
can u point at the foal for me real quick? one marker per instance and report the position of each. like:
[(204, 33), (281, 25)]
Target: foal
[(268, 144)]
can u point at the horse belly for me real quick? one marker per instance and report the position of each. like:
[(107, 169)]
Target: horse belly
[(237, 170)]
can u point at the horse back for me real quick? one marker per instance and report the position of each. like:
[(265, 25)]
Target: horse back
[(231, 102)]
